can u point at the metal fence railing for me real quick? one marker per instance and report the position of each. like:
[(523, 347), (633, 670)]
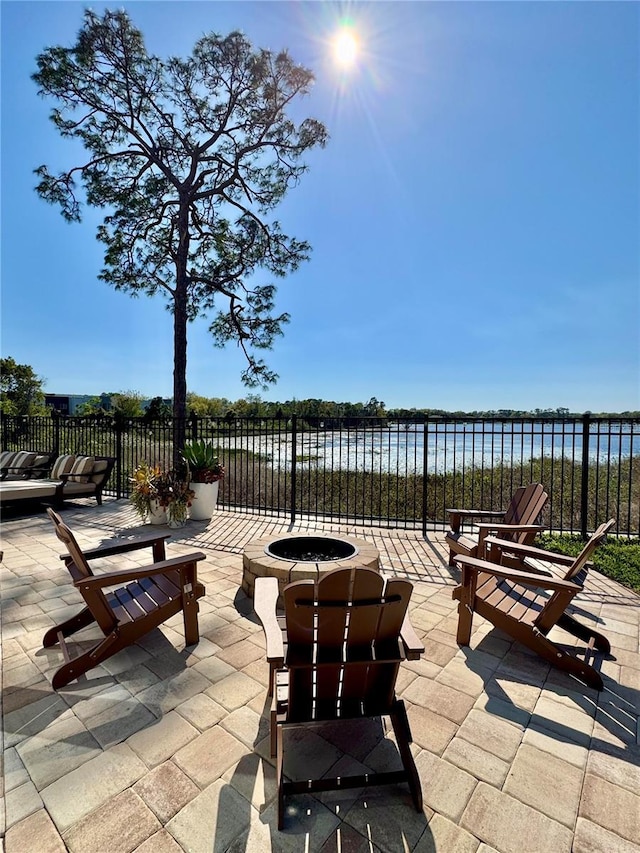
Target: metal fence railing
[(401, 473)]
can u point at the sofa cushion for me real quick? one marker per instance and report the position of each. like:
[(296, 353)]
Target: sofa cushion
[(23, 459), (72, 488), (97, 475), (81, 470), (62, 465), (6, 458), (15, 490)]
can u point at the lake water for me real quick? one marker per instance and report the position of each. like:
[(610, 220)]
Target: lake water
[(401, 449)]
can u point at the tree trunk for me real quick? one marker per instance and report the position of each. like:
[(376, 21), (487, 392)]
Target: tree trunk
[(180, 336)]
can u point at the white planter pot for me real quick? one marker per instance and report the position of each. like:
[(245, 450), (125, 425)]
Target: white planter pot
[(157, 514), (204, 503)]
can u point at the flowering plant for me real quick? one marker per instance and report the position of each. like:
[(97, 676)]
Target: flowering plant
[(152, 483), (176, 497)]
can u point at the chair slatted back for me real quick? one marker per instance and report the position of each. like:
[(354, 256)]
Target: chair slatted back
[(558, 600), (79, 569), (526, 506), (344, 649)]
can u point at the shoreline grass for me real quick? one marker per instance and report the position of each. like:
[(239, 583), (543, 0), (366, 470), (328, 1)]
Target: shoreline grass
[(617, 559)]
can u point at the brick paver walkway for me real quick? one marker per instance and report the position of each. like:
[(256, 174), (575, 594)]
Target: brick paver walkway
[(166, 749)]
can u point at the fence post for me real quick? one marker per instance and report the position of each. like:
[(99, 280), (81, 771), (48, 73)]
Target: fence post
[(55, 417), (193, 418), (424, 475), (118, 427), (294, 447), (584, 486)]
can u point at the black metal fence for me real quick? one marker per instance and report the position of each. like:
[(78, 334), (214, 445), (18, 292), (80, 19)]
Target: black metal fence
[(384, 473)]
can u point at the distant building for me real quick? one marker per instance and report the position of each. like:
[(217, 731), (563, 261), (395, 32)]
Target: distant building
[(68, 404)]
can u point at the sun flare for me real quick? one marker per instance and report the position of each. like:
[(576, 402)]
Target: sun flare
[(345, 47)]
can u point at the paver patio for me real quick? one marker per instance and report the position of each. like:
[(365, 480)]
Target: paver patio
[(166, 749)]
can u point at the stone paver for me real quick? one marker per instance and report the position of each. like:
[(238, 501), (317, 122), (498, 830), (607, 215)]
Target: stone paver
[(511, 826), (430, 730), (592, 838), (166, 790), (549, 784), (37, 832), (477, 761), (160, 740), (165, 749), (445, 788), (443, 835), (611, 807), (439, 698), (206, 757), (498, 737), (73, 796), (118, 826)]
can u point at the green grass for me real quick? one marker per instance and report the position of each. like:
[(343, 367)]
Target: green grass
[(618, 559)]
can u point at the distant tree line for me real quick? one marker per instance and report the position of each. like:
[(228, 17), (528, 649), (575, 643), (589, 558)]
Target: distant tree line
[(21, 393)]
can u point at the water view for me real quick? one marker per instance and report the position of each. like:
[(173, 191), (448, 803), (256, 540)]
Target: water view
[(400, 448)]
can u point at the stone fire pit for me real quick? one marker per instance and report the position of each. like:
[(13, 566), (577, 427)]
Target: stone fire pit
[(295, 556)]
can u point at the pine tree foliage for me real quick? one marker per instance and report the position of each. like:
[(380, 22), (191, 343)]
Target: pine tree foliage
[(188, 158)]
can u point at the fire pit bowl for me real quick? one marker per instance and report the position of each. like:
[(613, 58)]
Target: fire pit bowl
[(293, 556), (311, 549)]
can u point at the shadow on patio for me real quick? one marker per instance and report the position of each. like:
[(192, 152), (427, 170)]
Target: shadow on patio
[(166, 749)]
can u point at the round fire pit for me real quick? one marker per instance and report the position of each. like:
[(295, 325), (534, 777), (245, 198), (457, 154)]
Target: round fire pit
[(311, 549), (292, 556)]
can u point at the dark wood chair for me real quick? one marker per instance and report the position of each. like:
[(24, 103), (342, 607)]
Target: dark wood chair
[(149, 597), (335, 655), (518, 522), (528, 604)]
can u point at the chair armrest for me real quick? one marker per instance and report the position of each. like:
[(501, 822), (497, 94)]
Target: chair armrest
[(530, 551), (164, 567), (413, 647), (456, 516), (265, 598), (468, 513), (528, 578), (142, 540), (512, 528)]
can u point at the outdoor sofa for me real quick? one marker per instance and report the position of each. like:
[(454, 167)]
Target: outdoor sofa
[(70, 477), (24, 464)]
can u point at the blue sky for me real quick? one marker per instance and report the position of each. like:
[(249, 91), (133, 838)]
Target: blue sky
[(474, 217)]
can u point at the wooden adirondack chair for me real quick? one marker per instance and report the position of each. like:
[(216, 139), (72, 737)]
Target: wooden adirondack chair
[(528, 604), (149, 597), (517, 523), (335, 655)]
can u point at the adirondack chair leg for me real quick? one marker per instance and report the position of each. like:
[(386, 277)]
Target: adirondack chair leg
[(279, 773), (465, 594), (539, 643), (272, 730), (582, 632), (190, 612), (81, 620), (77, 666), (402, 731)]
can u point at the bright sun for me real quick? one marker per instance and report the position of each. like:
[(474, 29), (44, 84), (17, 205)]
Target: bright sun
[(345, 47)]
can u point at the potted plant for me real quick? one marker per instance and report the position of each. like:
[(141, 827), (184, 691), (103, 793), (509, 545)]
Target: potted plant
[(177, 497), (205, 472), (162, 496), (148, 492)]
